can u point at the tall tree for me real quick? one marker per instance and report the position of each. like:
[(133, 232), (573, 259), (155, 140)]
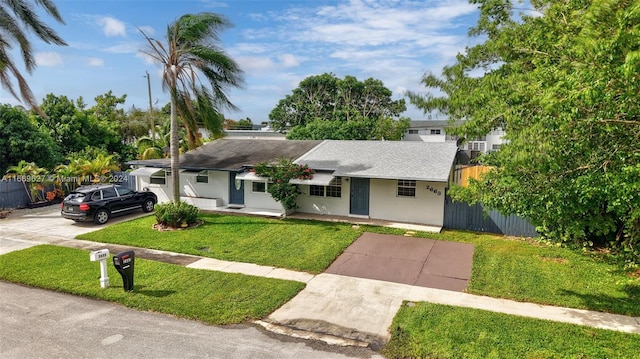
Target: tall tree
[(18, 18), (327, 107), (192, 52), (563, 82), (20, 139)]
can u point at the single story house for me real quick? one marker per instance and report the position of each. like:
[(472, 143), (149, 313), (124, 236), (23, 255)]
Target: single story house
[(389, 180)]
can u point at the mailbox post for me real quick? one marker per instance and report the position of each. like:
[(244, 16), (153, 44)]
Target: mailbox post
[(124, 265), (101, 256)]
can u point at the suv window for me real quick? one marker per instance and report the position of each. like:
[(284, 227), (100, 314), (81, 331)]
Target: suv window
[(96, 196), (109, 193), (75, 197), (123, 191)]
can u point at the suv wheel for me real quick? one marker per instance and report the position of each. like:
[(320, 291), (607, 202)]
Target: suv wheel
[(148, 205), (101, 217)]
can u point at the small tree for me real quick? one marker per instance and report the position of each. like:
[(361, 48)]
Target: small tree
[(279, 176), (32, 177)]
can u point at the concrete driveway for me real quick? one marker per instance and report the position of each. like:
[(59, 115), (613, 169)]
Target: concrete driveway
[(31, 224)]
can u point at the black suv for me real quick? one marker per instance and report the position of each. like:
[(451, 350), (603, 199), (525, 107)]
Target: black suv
[(99, 202)]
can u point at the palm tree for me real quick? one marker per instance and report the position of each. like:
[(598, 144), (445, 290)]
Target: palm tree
[(190, 55), (17, 17), (32, 177), (98, 168), (149, 148)]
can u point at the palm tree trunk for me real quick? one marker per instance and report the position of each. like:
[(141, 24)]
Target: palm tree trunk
[(175, 153)]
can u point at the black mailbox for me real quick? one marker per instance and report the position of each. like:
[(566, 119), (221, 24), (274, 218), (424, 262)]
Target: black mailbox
[(124, 265)]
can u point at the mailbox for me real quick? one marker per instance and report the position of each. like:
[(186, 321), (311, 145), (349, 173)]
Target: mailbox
[(124, 265), (101, 256)]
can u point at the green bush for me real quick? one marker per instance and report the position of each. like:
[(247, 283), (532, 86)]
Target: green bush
[(174, 214)]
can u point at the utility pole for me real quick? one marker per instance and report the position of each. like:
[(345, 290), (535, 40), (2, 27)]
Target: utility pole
[(153, 127)]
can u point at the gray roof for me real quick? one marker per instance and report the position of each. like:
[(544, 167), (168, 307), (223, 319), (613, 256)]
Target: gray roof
[(412, 160), (235, 154)]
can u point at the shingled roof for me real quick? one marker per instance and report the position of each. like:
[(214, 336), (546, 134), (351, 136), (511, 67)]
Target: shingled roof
[(411, 160), (236, 154)]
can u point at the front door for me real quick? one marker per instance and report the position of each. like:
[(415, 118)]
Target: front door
[(359, 196), (236, 189)]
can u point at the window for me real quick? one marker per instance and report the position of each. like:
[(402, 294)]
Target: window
[(159, 177), (435, 132), (406, 188), (413, 132), (334, 189), (315, 190), (476, 146), (260, 187), (495, 146), (123, 191), (109, 193), (202, 177)]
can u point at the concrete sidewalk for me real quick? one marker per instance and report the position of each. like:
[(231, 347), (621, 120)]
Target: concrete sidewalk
[(335, 308)]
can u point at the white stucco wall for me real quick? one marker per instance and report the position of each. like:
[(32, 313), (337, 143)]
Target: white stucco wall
[(163, 191), (427, 207), (324, 205), (217, 187), (262, 200)]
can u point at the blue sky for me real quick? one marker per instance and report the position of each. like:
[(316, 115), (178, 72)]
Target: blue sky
[(277, 44)]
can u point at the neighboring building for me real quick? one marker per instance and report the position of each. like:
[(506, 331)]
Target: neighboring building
[(389, 180), (428, 131), (436, 131)]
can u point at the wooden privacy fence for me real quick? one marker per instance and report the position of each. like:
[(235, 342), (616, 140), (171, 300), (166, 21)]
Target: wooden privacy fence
[(460, 215)]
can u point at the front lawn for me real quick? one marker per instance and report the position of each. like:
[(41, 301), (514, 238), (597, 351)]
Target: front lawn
[(503, 267), (209, 296), (438, 331), (526, 271), (308, 246)]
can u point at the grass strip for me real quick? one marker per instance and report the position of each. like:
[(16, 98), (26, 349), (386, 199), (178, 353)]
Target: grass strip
[(300, 245), (427, 330), (208, 296)]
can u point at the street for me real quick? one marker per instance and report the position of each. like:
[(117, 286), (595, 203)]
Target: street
[(38, 323)]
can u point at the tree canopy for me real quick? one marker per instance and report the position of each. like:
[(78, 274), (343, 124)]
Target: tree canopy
[(21, 140), (327, 107), (562, 80)]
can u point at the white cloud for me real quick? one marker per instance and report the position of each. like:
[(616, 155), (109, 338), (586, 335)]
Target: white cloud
[(94, 62), (48, 59), (123, 48), (111, 26), (254, 63), (288, 60)]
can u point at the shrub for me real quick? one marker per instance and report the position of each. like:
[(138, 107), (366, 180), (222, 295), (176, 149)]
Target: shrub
[(176, 214), (279, 176)]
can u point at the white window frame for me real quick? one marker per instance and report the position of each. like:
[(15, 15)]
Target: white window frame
[(254, 183), (406, 188)]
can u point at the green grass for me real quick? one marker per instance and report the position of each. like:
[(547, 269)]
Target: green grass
[(503, 267), (438, 331), (208, 296), (522, 270), (308, 246)]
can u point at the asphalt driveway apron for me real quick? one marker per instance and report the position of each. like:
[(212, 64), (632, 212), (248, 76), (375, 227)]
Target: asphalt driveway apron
[(408, 260)]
